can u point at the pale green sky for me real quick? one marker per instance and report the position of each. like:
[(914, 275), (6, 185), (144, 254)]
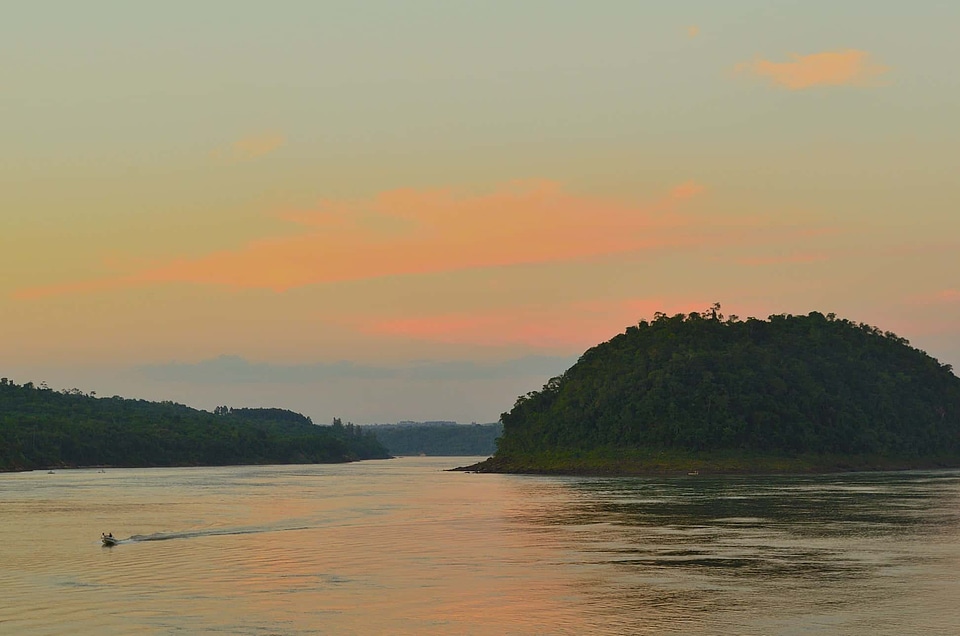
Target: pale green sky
[(304, 183)]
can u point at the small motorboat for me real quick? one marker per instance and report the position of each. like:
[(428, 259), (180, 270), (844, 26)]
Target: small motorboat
[(109, 539)]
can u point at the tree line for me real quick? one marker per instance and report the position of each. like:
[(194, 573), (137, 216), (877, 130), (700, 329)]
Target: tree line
[(40, 427), (441, 439)]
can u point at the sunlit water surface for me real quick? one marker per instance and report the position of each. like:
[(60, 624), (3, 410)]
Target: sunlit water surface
[(403, 547)]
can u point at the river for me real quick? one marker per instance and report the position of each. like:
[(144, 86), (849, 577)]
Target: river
[(404, 547)]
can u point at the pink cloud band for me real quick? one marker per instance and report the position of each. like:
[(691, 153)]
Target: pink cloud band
[(404, 232)]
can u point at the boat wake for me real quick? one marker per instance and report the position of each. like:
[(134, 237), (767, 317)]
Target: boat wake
[(213, 532)]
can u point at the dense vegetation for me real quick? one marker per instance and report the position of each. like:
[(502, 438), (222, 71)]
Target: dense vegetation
[(438, 438), (40, 427), (697, 391)]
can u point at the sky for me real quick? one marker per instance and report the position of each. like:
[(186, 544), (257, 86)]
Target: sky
[(420, 210)]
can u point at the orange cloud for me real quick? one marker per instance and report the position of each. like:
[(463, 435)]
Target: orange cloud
[(407, 231), (568, 328), (693, 31), (686, 190), (249, 148), (832, 68)]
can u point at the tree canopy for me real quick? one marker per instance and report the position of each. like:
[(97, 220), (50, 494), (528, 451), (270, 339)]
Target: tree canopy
[(788, 385), (40, 427)]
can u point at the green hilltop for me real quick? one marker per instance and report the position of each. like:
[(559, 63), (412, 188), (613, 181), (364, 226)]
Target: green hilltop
[(43, 428), (697, 392)]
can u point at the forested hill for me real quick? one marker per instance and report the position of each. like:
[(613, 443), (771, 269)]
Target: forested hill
[(40, 427), (701, 392), (438, 438)]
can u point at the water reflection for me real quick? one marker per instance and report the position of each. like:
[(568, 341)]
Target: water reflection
[(405, 547), (685, 549), (868, 505)]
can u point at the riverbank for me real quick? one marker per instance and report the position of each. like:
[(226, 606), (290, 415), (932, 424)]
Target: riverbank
[(612, 463)]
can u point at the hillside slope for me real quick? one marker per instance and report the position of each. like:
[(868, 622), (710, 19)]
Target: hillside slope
[(698, 392)]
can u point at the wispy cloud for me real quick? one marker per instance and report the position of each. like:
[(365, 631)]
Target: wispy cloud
[(831, 68), (228, 369), (404, 232), (687, 190), (940, 297), (570, 327), (249, 148), (781, 259)]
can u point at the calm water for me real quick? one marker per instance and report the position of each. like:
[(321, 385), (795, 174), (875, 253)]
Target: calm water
[(402, 547)]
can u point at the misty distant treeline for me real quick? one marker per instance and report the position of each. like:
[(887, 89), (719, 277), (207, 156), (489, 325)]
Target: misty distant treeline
[(40, 427), (438, 438)]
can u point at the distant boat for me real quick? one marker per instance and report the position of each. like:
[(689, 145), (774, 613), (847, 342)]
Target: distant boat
[(109, 539)]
